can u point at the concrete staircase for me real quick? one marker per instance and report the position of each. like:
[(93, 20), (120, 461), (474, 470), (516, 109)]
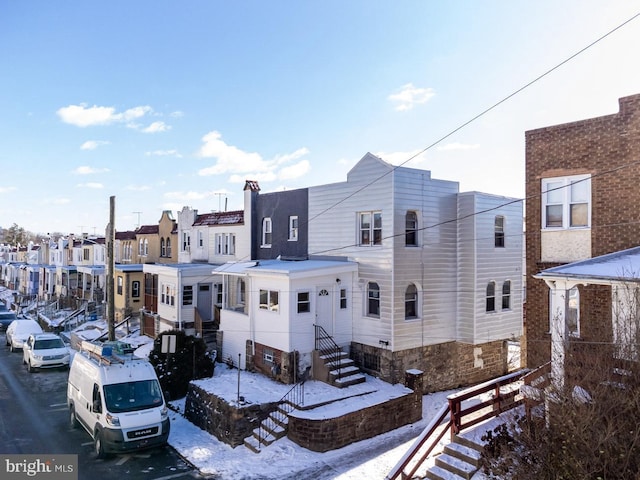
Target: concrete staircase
[(460, 460), (271, 428), (339, 370)]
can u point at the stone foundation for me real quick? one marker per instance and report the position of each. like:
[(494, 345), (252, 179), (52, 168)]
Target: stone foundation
[(445, 365), (228, 423)]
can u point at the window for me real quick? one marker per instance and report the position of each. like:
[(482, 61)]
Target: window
[(573, 312), (304, 302), (411, 227), (187, 295), (146, 247), (141, 247), (411, 302), (225, 243), (370, 228), (343, 298), (506, 295), (218, 289), (293, 228), (498, 229), (163, 248), (267, 356), (373, 299), (491, 297), (269, 300), (168, 294), (266, 232), (168, 247), (86, 254), (566, 202), (186, 242), (120, 282), (135, 289), (200, 239)]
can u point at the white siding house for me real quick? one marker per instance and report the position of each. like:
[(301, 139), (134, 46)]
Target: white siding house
[(420, 297)]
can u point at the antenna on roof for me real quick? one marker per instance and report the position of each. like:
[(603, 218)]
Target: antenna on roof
[(137, 213)]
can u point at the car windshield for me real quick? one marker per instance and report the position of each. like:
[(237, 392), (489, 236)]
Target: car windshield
[(45, 344), (130, 396)]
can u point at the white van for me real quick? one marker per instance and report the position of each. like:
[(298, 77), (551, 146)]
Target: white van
[(117, 399)]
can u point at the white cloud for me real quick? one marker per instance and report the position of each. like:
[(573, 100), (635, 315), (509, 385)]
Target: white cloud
[(91, 185), (187, 196), (60, 201), (86, 170), (7, 189), (242, 165), (138, 188), (93, 144), (295, 171), (409, 95), (176, 114), (156, 127), (407, 159), (458, 146), (83, 116), (164, 153)]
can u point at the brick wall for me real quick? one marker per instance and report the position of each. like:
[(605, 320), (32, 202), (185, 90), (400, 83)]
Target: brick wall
[(608, 148)]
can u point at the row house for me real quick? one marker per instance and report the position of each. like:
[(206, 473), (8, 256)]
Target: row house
[(403, 272), (583, 228)]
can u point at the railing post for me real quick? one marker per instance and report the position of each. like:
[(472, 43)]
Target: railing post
[(454, 406)]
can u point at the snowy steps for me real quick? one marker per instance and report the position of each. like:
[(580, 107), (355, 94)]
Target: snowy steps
[(460, 460), (342, 371), (271, 428)]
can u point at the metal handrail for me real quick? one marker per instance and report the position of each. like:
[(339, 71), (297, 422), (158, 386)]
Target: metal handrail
[(294, 397), (324, 343)]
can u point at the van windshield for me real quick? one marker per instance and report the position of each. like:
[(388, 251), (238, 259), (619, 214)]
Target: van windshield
[(131, 396)]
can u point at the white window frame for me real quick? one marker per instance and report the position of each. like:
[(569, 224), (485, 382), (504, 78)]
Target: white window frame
[(368, 228), (267, 232), (272, 298), (302, 303), (373, 299), (557, 191), (168, 294), (293, 228)]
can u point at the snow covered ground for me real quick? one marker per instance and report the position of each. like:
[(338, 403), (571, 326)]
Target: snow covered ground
[(369, 459)]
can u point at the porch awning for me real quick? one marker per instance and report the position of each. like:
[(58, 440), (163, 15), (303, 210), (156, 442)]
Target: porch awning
[(622, 266)]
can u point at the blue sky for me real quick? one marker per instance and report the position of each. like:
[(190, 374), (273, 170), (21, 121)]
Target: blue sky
[(169, 104)]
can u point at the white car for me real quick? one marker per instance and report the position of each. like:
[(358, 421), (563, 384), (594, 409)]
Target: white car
[(45, 350), (18, 332)]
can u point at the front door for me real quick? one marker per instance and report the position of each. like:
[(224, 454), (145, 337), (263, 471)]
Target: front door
[(324, 309)]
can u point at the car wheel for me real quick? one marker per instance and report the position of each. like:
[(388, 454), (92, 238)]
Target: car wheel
[(98, 446), (73, 421), (30, 368)]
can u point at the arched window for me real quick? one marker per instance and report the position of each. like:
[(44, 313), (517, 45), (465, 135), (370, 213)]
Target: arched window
[(168, 247), (141, 247), (163, 250), (146, 247), (411, 302), (506, 295), (373, 299), (491, 297), (411, 227)]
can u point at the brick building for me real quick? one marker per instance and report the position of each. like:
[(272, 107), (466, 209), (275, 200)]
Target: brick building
[(582, 190)]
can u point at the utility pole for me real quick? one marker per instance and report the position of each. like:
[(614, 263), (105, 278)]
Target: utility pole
[(111, 236)]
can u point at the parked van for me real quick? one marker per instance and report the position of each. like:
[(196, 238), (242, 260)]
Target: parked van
[(117, 399)]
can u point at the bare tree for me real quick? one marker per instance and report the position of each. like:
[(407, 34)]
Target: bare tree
[(590, 426)]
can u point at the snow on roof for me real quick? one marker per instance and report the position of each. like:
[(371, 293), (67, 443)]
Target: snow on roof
[(613, 267), (285, 266)]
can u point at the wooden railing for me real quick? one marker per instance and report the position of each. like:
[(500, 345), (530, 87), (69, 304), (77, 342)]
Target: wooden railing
[(502, 394)]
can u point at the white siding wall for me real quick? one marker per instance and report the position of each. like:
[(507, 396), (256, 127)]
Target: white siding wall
[(481, 262), (235, 333), (335, 232), (431, 265)]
